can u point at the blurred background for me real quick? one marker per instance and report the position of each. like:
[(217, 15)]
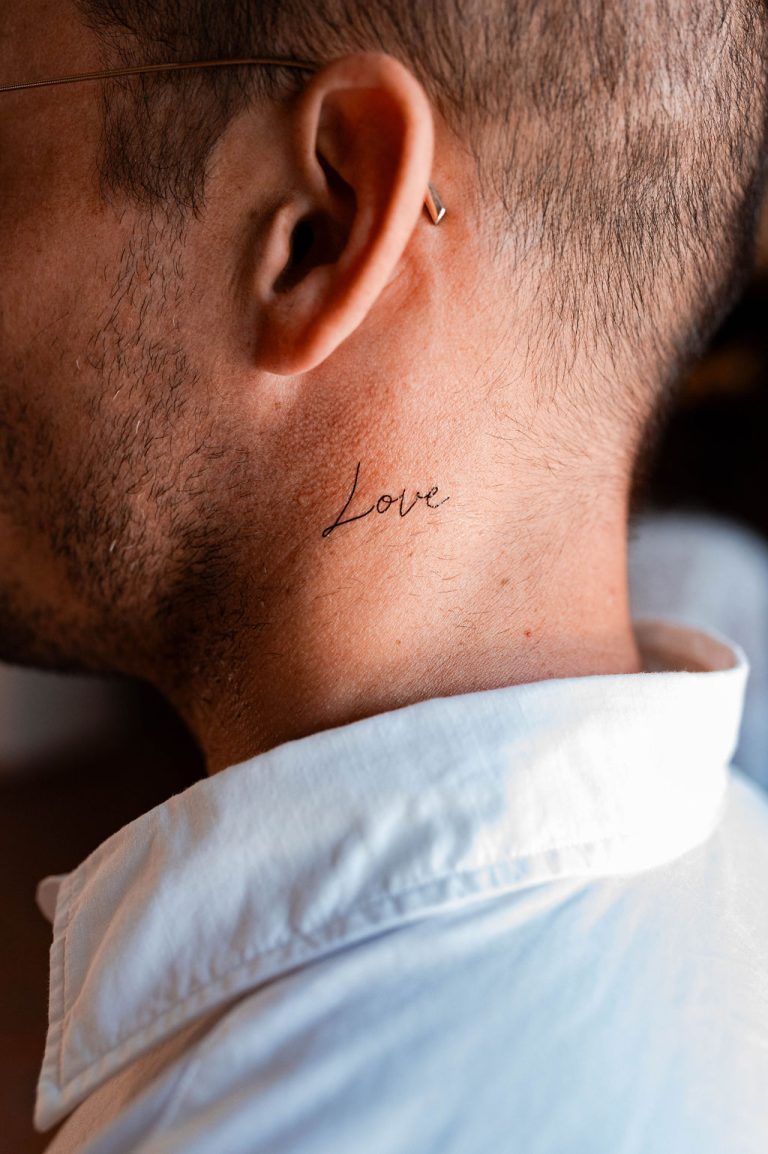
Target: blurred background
[(79, 758)]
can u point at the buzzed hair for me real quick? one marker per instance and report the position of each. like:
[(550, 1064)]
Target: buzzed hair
[(618, 144)]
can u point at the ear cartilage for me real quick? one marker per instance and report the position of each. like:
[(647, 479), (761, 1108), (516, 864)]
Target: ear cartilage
[(434, 204)]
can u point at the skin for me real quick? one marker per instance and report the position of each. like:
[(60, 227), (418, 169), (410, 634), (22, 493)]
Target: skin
[(175, 434)]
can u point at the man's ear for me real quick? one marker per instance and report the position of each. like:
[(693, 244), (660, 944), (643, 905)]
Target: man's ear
[(364, 133)]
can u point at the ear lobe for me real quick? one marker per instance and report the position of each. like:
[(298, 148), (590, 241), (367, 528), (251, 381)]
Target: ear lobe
[(365, 141)]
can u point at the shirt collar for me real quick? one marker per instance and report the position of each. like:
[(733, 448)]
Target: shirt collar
[(321, 841)]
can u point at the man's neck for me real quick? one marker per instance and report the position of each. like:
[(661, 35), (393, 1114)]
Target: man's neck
[(402, 607)]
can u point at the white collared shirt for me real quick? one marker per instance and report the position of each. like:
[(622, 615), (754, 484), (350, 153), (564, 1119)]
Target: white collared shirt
[(531, 920)]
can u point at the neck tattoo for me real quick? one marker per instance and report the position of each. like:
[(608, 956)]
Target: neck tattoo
[(383, 504)]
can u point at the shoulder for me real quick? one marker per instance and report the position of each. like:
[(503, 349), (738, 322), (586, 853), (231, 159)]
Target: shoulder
[(589, 1015)]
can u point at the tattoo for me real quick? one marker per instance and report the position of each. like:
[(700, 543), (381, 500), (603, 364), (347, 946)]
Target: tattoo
[(385, 501)]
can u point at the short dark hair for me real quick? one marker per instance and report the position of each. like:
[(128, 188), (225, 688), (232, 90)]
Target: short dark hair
[(616, 142)]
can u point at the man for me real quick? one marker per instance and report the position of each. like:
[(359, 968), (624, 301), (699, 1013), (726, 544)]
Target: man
[(350, 487)]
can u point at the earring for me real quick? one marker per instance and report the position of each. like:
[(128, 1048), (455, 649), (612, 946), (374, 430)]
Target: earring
[(434, 204)]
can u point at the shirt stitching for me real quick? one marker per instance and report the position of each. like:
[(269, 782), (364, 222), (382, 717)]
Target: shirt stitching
[(68, 912), (336, 927)]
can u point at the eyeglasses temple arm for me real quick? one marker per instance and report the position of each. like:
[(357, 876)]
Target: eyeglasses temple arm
[(432, 202)]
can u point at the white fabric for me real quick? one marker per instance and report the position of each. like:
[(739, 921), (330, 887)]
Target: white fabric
[(526, 920), (710, 573)]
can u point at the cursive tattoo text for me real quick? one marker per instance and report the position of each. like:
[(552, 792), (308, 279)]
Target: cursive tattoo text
[(383, 504)]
